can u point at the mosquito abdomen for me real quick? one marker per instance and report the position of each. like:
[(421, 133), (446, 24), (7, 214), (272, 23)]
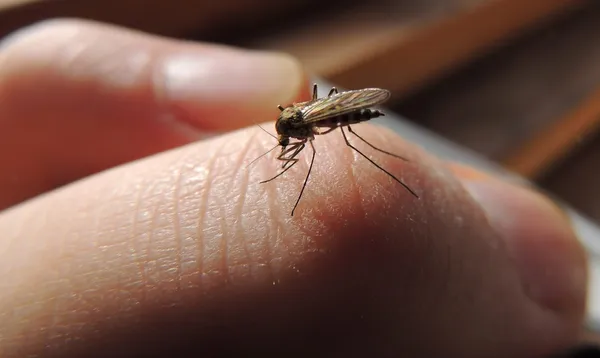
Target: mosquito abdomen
[(355, 117)]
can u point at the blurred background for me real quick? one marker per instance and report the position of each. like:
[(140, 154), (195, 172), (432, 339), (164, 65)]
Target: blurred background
[(516, 81)]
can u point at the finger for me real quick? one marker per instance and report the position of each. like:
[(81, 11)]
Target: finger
[(183, 253), (78, 97)]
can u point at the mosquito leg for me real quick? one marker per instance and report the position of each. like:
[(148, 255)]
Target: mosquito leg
[(297, 148), (315, 94), (327, 131), (374, 147), (312, 160), (375, 164), (333, 90), (292, 159)]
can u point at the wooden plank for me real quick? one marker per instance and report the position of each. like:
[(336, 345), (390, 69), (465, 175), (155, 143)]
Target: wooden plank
[(576, 180), (554, 144), (172, 18), (378, 44), (526, 104)]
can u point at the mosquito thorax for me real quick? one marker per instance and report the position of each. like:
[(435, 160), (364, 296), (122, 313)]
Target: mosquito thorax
[(289, 117)]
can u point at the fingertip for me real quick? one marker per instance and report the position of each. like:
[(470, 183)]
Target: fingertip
[(230, 89), (78, 97), (61, 64)]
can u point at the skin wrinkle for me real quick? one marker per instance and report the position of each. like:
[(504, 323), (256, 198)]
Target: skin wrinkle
[(204, 214), (150, 259), (253, 226), (239, 207), (159, 234), (222, 271), (275, 226), (224, 246), (226, 235), (136, 250), (186, 216), (355, 188), (186, 174), (152, 205), (56, 297), (234, 260), (170, 242), (275, 217), (176, 227)]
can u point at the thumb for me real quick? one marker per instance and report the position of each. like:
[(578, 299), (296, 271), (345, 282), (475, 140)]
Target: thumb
[(78, 97)]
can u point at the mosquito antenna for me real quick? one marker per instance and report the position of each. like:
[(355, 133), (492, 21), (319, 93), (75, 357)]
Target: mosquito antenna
[(267, 152), (262, 155), (269, 133)]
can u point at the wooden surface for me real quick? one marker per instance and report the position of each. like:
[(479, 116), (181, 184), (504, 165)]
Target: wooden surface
[(172, 18), (401, 45), (548, 148), (578, 178), (503, 104), (533, 105)]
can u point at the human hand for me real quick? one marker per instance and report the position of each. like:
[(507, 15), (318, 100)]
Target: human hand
[(161, 242)]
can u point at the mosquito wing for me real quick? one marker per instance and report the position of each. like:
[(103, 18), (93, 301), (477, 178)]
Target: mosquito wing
[(343, 103)]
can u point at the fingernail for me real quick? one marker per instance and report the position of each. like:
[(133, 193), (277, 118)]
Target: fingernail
[(538, 236), (231, 76)]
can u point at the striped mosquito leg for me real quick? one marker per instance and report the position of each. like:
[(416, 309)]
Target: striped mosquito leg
[(326, 131), (375, 164), (312, 160), (296, 148), (374, 147)]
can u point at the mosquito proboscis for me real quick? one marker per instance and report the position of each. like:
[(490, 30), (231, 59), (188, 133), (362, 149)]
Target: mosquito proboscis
[(319, 116)]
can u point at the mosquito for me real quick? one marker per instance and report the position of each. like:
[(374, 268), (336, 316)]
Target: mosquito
[(319, 116)]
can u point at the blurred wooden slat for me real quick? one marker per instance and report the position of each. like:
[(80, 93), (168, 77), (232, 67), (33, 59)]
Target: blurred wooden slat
[(171, 18), (505, 100), (400, 45), (547, 148), (576, 180)]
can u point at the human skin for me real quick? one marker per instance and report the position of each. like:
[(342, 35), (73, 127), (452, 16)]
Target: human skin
[(131, 225)]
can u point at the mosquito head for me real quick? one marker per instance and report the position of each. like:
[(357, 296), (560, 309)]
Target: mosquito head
[(283, 140)]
